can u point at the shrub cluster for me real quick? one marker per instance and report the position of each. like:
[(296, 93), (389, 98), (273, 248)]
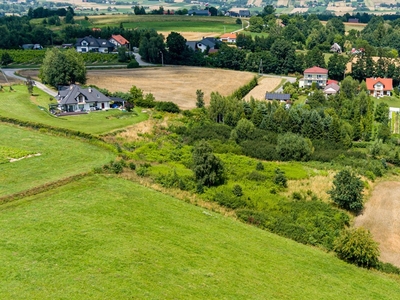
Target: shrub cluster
[(167, 106)]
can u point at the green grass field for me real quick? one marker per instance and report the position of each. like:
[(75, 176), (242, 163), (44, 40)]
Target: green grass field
[(18, 105), (392, 101), (108, 238), (169, 23), (59, 158)]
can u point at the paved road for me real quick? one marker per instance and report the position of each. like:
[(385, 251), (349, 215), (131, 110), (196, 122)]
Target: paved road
[(11, 73)]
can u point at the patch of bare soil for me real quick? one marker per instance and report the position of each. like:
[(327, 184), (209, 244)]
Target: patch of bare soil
[(382, 217), (170, 83)]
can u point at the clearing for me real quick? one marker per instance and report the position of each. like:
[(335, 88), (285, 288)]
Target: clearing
[(382, 217), (176, 84), (103, 237)]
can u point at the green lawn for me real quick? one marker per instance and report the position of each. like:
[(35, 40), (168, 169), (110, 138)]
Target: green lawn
[(108, 238), (391, 101), (18, 105), (59, 158)]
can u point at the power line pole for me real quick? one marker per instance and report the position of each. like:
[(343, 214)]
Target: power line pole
[(260, 68)]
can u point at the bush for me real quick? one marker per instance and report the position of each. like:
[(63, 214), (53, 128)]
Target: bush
[(229, 200), (256, 176), (356, 246), (167, 106), (294, 147), (347, 191), (133, 64), (237, 190), (132, 166), (260, 166), (280, 178)]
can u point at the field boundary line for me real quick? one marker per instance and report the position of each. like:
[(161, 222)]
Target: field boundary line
[(42, 188)]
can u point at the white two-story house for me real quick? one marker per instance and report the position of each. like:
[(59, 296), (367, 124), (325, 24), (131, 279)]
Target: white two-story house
[(314, 74), (91, 44), (379, 87)]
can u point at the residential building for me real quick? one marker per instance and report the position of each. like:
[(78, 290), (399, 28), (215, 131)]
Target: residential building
[(331, 89), (196, 12), (74, 98), (207, 43), (228, 38), (314, 75), (91, 44), (277, 96), (336, 48), (118, 40), (379, 87)]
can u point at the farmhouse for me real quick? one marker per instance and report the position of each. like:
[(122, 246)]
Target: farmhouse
[(314, 74), (228, 38), (91, 44), (75, 98), (209, 43), (379, 87), (118, 40)]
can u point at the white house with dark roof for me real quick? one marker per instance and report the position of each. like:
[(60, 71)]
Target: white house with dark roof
[(208, 42), (91, 44), (74, 98)]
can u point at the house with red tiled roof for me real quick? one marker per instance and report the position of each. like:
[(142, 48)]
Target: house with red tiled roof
[(118, 40), (379, 87), (228, 38), (314, 74)]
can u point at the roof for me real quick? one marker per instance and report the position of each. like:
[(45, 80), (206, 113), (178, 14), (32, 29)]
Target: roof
[(209, 41), (244, 12), (332, 86), (316, 70), (93, 42), (68, 94), (277, 96), (329, 81), (119, 39), (228, 36), (386, 82), (199, 12)]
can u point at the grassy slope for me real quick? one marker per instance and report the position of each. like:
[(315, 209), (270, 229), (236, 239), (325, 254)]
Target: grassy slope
[(18, 105), (108, 238), (391, 101), (60, 158)]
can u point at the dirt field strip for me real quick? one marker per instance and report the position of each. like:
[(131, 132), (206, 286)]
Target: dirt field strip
[(382, 217), (265, 84), (176, 84)]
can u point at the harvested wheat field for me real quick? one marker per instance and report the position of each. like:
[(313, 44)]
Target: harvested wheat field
[(176, 84), (382, 217), (265, 84)]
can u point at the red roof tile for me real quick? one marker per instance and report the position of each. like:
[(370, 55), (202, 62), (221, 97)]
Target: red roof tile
[(316, 70), (228, 36), (387, 83), (328, 82), (120, 39)]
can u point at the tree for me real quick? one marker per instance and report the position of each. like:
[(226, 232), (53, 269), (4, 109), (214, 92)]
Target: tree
[(137, 96), (69, 18), (356, 246), (29, 84), (292, 146), (347, 191), (208, 169), (122, 55), (243, 130), (6, 59), (177, 47), (337, 66), (62, 68), (199, 99)]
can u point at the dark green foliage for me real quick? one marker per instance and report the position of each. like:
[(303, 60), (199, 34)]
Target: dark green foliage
[(199, 98), (260, 166), (115, 167), (244, 90), (356, 246), (132, 166), (173, 180), (142, 170), (237, 190), (167, 106), (308, 222), (133, 64), (280, 178), (6, 59), (259, 149), (229, 200), (208, 168), (347, 191), (256, 176), (388, 268), (122, 54), (294, 147), (213, 131)]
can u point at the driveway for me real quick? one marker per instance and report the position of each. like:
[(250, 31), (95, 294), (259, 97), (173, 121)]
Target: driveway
[(280, 89)]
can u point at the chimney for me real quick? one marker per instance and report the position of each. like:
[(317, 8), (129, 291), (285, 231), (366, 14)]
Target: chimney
[(90, 89)]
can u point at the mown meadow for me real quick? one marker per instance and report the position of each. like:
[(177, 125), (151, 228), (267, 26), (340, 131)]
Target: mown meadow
[(19, 105), (106, 237)]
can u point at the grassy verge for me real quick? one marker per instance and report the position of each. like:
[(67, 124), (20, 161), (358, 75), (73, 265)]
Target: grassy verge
[(19, 105), (59, 158), (392, 101), (104, 237)]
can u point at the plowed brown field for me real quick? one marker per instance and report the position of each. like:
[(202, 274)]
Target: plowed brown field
[(382, 217)]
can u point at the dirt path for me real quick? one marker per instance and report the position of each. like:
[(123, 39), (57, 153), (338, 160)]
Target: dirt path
[(382, 217)]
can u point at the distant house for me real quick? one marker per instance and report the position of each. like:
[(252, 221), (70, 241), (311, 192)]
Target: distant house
[(277, 96), (331, 89), (197, 12), (228, 37), (329, 81), (336, 48), (118, 40), (32, 47), (91, 44), (314, 74), (74, 98), (379, 87), (244, 13), (353, 20), (207, 43)]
